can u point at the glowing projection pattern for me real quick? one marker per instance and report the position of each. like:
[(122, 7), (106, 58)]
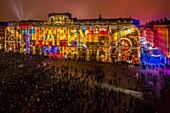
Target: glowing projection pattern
[(28, 41)]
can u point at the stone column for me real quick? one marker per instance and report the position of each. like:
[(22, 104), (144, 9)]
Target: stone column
[(97, 55), (33, 50), (119, 54), (87, 56), (108, 51), (138, 51)]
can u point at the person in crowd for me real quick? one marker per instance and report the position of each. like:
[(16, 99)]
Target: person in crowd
[(33, 86)]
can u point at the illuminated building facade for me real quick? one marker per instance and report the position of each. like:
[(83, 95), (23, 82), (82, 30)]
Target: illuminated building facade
[(15, 35), (2, 35), (162, 39), (158, 34), (147, 31), (105, 40)]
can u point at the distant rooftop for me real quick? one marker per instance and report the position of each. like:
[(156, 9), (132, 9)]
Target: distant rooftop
[(2, 23), (165, 20), (65, 13), (32, 20), (100, 19)]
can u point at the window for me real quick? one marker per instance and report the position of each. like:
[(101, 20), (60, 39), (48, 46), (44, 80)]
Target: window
[(65, 19), (58, 19)]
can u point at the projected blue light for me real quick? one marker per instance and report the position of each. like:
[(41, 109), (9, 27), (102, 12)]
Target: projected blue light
[(33, 31), (46, 49), (152, 60), (26, 30), (83, 47), (77, 31), (53, 49), (163, 59), (84, 30), (74, 43), (6, 24), (136, 23)]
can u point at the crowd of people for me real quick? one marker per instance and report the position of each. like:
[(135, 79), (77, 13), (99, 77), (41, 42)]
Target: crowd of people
[(29, 85)]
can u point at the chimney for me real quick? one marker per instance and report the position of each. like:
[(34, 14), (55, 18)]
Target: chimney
[(165, 19), (161, 20), (152, 22), (100, 17)]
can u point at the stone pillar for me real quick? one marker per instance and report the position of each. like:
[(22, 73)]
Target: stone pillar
[(119, 54), (138, 51), (33, 50), (40, 50), (87, 56), (108, 51), (97, 55), (80, 53), (15, 40)]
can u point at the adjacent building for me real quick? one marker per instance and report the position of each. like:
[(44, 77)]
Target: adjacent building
[(162, 38), (158, 34), (2, 35)]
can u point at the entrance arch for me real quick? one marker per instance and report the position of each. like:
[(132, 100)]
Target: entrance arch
[(123, 49), (11, 38), (124, 39)]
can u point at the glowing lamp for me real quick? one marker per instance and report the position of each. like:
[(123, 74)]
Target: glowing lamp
[(123, 42)]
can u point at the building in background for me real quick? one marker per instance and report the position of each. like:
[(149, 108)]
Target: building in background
[(162, 38), (105, 40), (2, 35), (157, 35)]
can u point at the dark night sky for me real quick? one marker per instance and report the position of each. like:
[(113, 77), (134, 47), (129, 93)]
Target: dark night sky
[(145, 10)]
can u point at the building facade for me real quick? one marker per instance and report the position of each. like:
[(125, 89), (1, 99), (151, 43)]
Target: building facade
[(162, 39), (2, 35), (157, 33), (105, 40)]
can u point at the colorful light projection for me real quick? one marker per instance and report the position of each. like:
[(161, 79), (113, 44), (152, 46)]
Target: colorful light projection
[(52, 49), (62, 34), (59, 19), (49, 36), (72, 37), (13, 38), (28, 41), (80, 37), (44, 36), (28, 34)]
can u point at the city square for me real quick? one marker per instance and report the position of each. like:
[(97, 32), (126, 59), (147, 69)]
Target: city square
[(73, 61), (121, 83)]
